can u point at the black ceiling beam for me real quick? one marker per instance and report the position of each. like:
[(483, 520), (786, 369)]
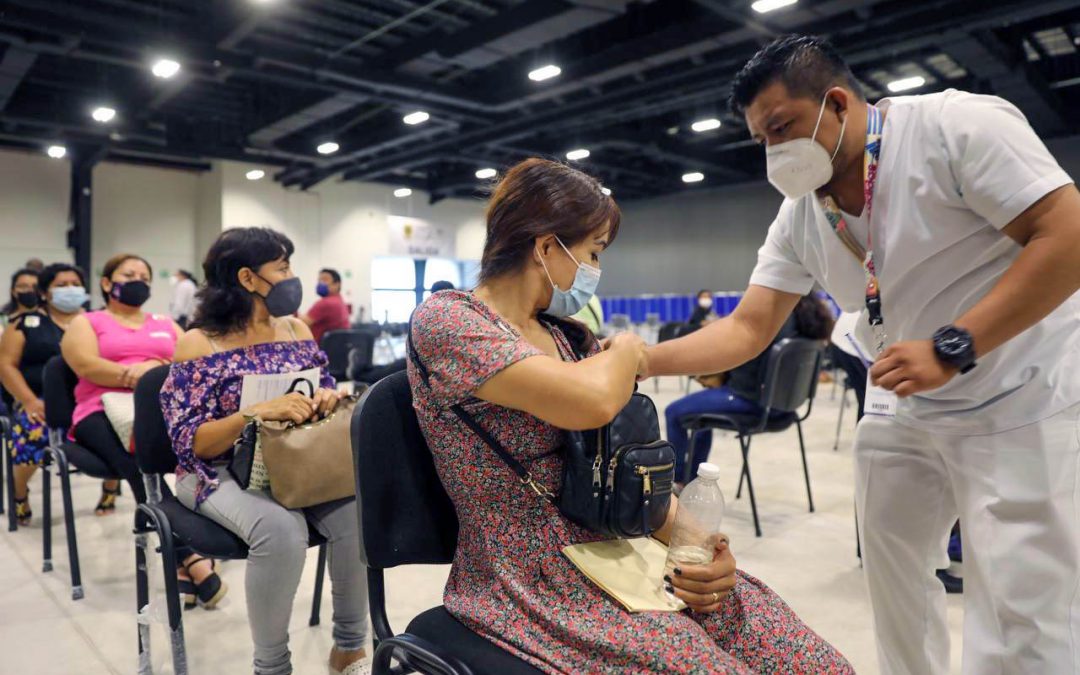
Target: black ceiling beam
[(1006, 69), (14, 66)]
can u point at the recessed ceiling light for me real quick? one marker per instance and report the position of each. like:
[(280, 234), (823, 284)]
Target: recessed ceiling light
[(327, 148), (695, 177), (255, 174), (484, 174), (762, 6), (705, 125), (606, 191), (575, 155), (56, 151), (402, 192), (103, 114), (165, 68), (905, 83), (418, 117), (545, 73)]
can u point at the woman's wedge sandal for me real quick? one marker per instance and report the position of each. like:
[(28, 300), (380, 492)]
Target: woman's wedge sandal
[(212, 589), (107, 503), (22, 510)]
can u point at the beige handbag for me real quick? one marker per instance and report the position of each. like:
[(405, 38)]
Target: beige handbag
[(310, 463)]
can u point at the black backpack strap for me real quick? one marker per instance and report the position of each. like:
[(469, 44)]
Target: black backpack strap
[(503, 454)]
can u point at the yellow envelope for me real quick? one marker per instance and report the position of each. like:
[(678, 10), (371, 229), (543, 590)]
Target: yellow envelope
[(629, 570)]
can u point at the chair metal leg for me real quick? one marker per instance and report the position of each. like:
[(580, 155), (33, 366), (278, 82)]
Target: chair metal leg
[(805, 468), (46, 520), (742, 477), (62, 469), (858, 540), (9, 481), (745, 443), (840, 418), (320, 574), (142, 594), (172, 595), (688, 466)]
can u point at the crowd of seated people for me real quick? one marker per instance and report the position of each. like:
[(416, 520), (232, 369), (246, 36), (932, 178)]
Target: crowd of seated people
[(508, 351)]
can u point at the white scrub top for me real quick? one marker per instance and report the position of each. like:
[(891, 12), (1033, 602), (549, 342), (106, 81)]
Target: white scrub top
[(955, 168)]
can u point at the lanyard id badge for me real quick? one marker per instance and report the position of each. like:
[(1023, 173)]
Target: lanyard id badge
[(878, 401)]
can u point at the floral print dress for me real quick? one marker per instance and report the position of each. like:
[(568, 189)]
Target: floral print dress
[(510, 582)]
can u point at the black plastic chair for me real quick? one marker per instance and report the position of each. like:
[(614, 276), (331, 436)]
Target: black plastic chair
[(406, 518), (7, 476), (338, 343), (70, 457), (175, 524), (791, 378)]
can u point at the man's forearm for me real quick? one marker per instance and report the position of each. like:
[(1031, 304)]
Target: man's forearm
[(1046, 274), (720, 346)]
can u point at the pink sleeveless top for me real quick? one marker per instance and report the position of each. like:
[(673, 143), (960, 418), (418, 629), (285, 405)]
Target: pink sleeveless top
[(156, 339)]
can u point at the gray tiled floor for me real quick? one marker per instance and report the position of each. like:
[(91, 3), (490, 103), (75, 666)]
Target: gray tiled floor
[(809, 559)]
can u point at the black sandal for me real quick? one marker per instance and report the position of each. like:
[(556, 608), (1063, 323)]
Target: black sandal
[(107, 503), (22, 510), (210, 591)]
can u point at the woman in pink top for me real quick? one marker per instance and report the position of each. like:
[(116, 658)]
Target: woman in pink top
[(110, 350)]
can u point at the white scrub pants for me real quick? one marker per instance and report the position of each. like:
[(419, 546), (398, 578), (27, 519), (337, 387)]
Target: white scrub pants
[(1018, 499)]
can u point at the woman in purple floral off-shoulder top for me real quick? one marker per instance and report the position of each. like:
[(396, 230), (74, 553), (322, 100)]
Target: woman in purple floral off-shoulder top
[(243, 326)]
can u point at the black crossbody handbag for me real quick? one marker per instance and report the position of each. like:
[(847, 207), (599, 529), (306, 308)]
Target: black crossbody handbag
[(616, 480)]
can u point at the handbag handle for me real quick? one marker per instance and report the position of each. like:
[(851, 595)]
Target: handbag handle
[(503, 454), (297, 384)]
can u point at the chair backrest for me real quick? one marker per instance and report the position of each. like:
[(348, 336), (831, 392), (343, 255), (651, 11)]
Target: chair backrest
[(338, 343), (405, 515), (791, 374), (153, 449), (58, 388), (669, 331)]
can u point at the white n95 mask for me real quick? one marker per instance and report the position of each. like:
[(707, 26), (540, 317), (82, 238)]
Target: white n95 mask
[(800, 166)]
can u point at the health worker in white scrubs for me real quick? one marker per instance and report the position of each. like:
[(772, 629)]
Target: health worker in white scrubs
[(946, 222)]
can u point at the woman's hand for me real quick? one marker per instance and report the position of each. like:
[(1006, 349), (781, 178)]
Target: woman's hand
[(631, 344), (325, 402), (294, 407), (704, 587), (35, 410), (133, 373)]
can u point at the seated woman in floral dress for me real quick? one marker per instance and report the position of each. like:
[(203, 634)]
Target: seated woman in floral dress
[(496, 352)]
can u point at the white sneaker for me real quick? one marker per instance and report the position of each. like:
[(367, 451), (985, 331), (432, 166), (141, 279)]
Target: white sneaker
[(361, 667)]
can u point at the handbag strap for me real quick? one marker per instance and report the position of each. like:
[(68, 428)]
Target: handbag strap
[(298, 382), (503, 454)]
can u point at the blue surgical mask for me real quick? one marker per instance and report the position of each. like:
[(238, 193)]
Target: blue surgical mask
[(322, 290), (68, 299), (569, 303)]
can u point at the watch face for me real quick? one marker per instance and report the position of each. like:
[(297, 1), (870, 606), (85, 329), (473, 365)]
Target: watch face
[(953, 344)]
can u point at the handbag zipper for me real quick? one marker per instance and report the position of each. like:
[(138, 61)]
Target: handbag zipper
[(618, 453), (598, 462), (646, 473)]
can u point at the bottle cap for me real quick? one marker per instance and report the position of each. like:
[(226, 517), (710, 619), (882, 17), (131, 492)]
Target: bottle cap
[(708, 471)]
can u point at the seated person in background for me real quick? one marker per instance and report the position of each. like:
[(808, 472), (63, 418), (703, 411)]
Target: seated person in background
[(33, 339), (35, 265), (737, 391), (110, 350), (703, 314), (24, 294), (243, 326), (499, 352), (441, 286), (330, 311)]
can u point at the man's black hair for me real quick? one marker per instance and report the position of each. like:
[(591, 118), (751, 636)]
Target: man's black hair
[(333, 274), (808, 66)]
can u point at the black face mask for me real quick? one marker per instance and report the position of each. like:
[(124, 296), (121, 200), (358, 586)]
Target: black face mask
[(29, 299), (284, 297), (130, 293)]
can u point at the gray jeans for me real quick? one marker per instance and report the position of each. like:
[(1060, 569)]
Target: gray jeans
[(278, 540)]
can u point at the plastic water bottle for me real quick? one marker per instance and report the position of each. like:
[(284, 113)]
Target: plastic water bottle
[(700, 513)]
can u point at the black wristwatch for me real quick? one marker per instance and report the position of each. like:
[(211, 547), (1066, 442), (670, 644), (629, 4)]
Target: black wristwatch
[(954, 346)]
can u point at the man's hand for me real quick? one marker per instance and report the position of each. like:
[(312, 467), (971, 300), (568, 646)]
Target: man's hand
[(908, 368), (704, 587)]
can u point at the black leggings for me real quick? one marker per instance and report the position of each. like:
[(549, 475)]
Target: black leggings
[(95, 433)]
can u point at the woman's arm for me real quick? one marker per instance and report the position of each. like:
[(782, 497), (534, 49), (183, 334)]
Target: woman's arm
[(12, 343), (583, 395), (80, 349)]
